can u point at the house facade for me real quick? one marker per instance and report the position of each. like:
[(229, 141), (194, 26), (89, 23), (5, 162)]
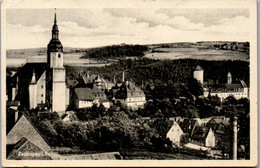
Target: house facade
[(175, 133), (204, 136), (130, 95), (87, 97)]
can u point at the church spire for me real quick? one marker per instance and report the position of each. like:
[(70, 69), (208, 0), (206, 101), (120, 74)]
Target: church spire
[(55, 44), (55, 20), (55, 29)]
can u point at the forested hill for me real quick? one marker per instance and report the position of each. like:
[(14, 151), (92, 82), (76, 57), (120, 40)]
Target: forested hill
[(116, 51), (168, 76), (177, 71)]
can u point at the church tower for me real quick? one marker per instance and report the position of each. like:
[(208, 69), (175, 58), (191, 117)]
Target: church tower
[(55, 81)]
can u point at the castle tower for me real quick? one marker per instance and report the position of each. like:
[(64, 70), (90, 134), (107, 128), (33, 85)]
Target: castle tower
[(198, 74), (55, 81), (229, 78), (33, 92)]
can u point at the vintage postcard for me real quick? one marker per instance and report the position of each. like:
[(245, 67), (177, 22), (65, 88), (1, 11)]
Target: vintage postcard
[(129, 83)]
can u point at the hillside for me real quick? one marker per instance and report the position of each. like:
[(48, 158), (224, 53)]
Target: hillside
[(209, 50), (24, 53)]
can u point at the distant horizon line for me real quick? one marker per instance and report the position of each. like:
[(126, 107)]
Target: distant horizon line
[(128, 44)]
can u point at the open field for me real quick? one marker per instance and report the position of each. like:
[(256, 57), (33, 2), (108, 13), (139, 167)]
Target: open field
[(195, 53), (72, 59), (72, 56)]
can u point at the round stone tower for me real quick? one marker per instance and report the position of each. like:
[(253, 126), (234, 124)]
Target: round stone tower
[(198, 74)]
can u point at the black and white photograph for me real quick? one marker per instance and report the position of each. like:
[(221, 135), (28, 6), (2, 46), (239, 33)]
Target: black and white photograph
[(129, 83)]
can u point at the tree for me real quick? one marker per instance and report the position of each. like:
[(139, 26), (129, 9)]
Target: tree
[(195, 87), (230, 100)]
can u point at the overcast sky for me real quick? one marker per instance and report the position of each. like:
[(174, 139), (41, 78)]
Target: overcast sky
[(82, 28)]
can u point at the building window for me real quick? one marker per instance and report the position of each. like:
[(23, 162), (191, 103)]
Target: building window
[(41, 102), (41, 95), (58, 55), (42, 86)]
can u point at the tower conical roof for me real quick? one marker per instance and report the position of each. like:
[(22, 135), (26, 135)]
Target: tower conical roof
[(55, 44), (229, 74), (198, 68)]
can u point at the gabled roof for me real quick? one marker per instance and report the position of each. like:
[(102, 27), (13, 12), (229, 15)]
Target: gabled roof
[(26, 146), (89, 93), (173, 130), (25, 128), (219, 120), (188, 125), (26, 71), (200, 133), (128, 90), (133, 91), (221, 129), (24, 77), (234, 87)]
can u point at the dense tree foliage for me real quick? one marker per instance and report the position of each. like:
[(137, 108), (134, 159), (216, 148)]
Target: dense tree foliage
[(107, 133), (169, 85), (116, 51)]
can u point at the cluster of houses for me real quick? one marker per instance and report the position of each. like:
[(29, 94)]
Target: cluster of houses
[(97, 90), (199, 134), (45, 86)]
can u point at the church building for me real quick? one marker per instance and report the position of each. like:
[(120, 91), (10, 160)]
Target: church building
[(43, 84)]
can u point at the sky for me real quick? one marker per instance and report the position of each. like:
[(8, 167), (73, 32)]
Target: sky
[(93, 27)]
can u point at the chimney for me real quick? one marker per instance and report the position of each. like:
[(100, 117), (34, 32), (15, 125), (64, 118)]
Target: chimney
[(234, 157)]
